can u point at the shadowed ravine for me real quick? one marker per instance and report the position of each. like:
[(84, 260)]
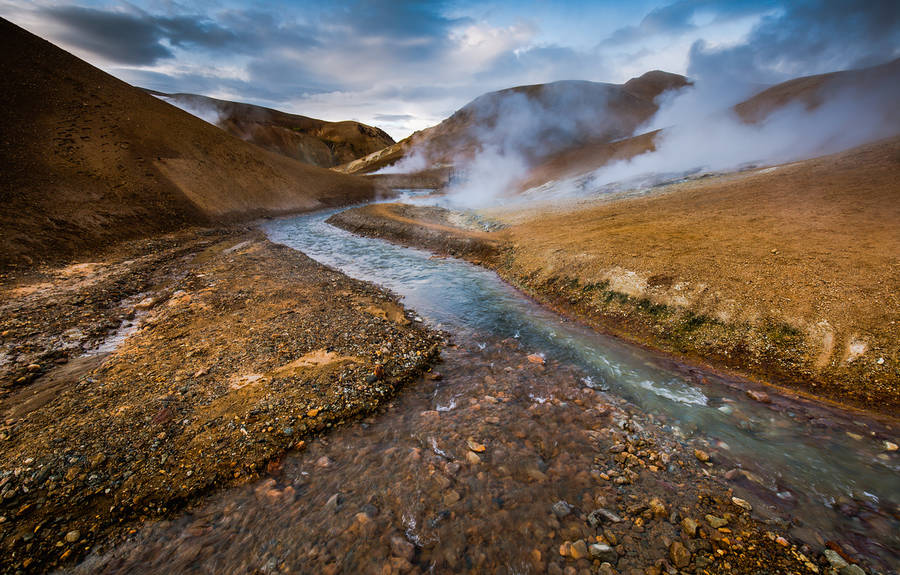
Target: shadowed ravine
[(354, 500)]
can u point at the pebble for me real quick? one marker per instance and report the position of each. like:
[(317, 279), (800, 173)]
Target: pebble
[(534, 358), (73, 536), (701, 455), (475, 446), (561, 509), (716, 522), (578, 550), (782, 541), (835, 559), (890, 446), (599, 516), (657, 507), (689, 526), (679, 554), (400, 547), (472, 458), (742, 503), (606, 569), (852, 570), (451, 497), (760, 396), (603, 552)]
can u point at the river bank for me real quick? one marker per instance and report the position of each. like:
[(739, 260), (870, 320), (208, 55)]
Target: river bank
[(163, 369), (759, 273)]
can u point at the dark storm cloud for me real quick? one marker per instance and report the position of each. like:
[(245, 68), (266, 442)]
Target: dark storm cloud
[(806, 37), (678, 18), (135, 37), (199, 84)]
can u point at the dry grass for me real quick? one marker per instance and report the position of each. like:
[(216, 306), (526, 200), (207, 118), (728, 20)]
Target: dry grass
[(813, 245)]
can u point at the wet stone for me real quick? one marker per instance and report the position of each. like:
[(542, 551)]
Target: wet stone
[(689, 526), (679, 555), (400, 547), (603, 552), (578, 550), (835, 559), (561, 509), (598, 517)]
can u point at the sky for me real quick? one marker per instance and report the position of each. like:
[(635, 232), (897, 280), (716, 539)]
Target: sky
[(406, 65)]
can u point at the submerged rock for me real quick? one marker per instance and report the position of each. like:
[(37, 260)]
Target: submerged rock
[(679, 554)]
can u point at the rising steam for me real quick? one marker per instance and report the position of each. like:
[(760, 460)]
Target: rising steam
[(701, 131)]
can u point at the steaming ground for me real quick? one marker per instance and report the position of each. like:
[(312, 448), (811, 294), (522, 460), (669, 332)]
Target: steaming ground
[(785, 274), (563, 145)]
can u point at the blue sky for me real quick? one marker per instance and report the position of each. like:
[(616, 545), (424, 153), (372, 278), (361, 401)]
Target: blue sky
[(404, 65)]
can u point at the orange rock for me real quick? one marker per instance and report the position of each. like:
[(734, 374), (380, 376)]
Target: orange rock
[(534, 358), (475, 446)]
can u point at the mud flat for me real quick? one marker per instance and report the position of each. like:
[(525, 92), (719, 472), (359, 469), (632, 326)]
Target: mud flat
[(136, 382), (782, 274)]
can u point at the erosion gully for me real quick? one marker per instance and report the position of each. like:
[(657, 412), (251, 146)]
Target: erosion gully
[(412, 488)]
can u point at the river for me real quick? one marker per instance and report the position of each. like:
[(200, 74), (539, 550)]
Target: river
[(408, 478)]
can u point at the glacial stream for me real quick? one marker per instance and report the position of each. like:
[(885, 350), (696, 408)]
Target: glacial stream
[(403, 484)]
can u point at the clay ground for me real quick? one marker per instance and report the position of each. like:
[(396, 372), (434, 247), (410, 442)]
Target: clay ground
[(238, 351), (786, 274)]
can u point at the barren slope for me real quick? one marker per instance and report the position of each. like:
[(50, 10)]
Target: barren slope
[(309, 140), (86, 159), (589, 113), (864, 85)]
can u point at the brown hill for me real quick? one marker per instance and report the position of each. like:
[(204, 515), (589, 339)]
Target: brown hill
[(877, 83), (86, 159), (309, 140), (539, 120), (812, 91)]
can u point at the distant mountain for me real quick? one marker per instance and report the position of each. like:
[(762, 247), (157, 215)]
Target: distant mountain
[(309, 140), (86, 159), (866, 88), (538, 120)]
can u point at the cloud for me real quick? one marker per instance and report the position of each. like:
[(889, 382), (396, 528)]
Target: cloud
[(134, 37), (394, 117), (429, 58), (803, 38), (685, 16)]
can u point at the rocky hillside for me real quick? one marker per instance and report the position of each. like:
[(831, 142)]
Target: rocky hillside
[(309, 140), (86, 160)]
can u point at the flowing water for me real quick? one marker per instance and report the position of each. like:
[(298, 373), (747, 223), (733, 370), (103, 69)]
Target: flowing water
[(411, 489)]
